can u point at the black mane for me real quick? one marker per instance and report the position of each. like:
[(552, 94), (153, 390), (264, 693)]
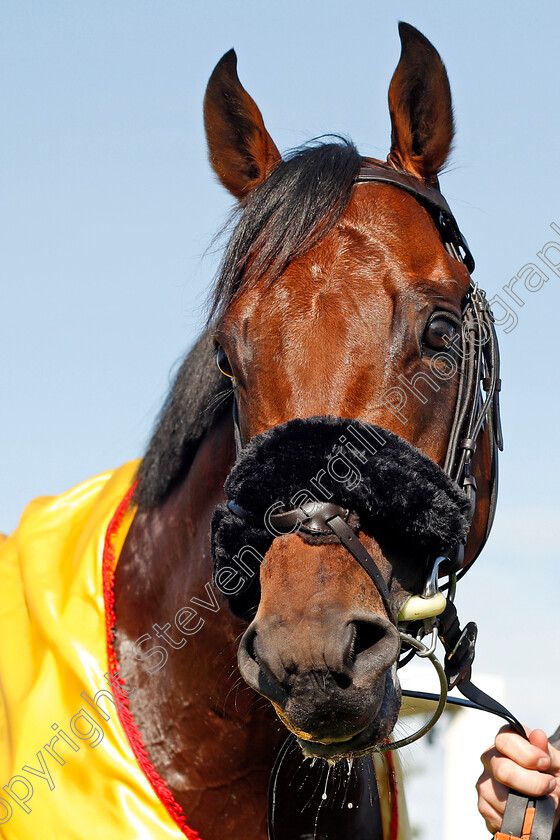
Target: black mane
[(281, 219), (199, 396)]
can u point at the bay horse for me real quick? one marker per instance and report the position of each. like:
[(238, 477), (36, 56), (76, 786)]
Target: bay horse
[(337, 299)]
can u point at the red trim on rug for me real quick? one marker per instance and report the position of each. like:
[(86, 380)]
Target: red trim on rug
[(127, 720), (394, 789)]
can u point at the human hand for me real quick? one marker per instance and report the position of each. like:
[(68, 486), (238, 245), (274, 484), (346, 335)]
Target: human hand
[(529, 767)]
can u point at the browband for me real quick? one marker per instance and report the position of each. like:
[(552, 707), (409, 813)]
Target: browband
[(432, 200)]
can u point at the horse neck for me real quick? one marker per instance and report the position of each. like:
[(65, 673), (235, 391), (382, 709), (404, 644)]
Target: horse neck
[(198, 731), (166, 558)]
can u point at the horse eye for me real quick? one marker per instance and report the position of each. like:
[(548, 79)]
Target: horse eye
[(223, 363), (439, 332)]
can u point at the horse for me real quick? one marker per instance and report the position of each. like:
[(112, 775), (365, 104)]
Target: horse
[(334, 318)]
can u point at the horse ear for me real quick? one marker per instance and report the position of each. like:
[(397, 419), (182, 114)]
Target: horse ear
[(420, 107), (241, 151)]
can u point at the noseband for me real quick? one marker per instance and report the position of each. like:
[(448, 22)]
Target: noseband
[(430, 508), (324, 478)]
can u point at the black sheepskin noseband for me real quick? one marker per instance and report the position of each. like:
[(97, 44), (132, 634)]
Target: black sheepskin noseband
[(393, 491)]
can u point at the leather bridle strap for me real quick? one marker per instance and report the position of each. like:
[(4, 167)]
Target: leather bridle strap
[(358, 551), (526, 818), (318, 519), (459, 654), (480, 363), (480, 366), (432, 200)]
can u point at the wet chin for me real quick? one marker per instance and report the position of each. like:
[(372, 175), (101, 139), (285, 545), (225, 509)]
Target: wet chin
[(366, 741)]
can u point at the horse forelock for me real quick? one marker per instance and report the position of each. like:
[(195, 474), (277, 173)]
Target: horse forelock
[(282, 218), (278, 221)]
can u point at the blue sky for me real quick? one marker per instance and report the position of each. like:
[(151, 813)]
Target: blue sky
[(109, 207)]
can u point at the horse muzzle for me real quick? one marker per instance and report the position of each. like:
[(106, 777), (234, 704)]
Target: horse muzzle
[(329, 672), (332, 682)]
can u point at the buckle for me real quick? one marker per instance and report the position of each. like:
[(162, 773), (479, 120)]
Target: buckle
[(310, 516)]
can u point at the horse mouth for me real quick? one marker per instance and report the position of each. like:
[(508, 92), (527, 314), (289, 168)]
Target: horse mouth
[(367, 739)]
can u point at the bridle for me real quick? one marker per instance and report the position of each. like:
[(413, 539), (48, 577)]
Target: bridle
[(476, 410), (479, 373), (477, 407)]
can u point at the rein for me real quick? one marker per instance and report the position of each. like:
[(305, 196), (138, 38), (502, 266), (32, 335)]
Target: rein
[(433, 613)]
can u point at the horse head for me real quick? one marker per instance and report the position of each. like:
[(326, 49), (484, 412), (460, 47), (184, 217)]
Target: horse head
[(338, 300)]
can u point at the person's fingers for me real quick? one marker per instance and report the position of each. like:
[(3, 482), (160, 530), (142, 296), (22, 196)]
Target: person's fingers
[(532, 754), (539, 739), (487, 756), (491, 801), (507, 728), (490, 816), (511, 774), (492, 791), (554, 759), (531, 767)]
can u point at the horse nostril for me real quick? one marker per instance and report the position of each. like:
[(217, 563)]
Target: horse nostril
[(246, 655), (374, 648), (250, 640), (366, 635), (254, 670)]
